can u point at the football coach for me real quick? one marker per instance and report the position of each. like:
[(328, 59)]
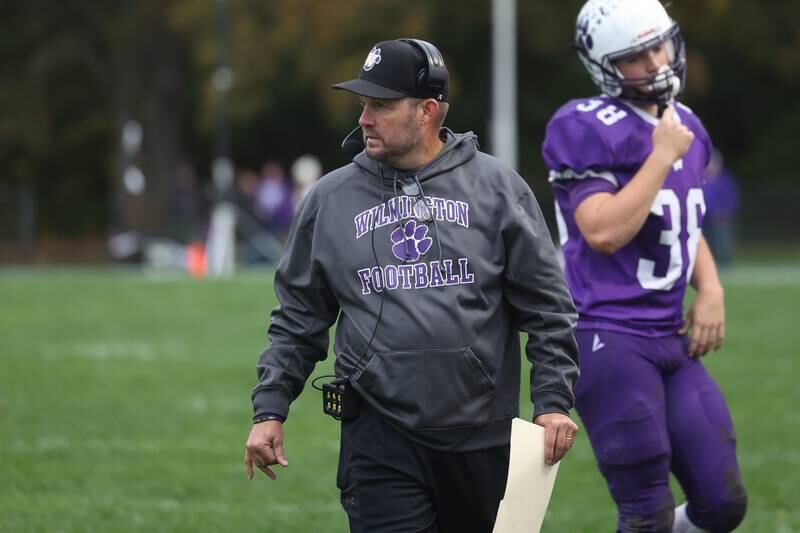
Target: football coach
[(430, 257)]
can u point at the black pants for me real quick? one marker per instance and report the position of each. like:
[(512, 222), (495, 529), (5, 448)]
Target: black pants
[(391, 484)]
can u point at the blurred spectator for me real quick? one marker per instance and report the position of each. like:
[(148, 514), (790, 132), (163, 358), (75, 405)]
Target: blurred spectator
[(306, 170), (245, 191), (248, 224), (185, 207), (273, 201), (722, 203)]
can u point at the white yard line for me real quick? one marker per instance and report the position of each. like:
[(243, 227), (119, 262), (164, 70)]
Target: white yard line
[(101, 350), (115, 349)]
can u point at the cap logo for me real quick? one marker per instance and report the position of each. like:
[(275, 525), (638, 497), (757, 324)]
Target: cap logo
[(373, 58)]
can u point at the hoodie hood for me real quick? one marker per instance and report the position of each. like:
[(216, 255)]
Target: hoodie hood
[(458, 149)]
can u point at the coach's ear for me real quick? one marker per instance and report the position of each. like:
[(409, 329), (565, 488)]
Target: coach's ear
[(429, 112)]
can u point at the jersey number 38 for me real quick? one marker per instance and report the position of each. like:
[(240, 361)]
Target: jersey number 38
[(666, 199)]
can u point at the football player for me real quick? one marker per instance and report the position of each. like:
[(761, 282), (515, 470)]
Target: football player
[(627, 170)]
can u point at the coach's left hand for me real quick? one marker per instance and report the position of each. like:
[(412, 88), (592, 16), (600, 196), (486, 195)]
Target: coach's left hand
[(559, 434)]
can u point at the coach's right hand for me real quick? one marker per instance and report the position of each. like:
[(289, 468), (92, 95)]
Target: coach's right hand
[(264, 448)]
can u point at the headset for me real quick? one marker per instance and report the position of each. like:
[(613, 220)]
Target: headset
[(434, 77)]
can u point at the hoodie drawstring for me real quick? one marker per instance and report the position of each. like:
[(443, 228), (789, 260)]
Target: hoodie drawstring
[(399, 222), (442, 270)]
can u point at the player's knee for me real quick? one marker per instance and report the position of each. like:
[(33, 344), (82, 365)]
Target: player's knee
[(725, 515), (651, 452), (732, 513), (655, 522)]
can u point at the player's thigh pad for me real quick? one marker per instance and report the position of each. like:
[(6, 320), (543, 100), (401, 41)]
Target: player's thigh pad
[(620, 398)]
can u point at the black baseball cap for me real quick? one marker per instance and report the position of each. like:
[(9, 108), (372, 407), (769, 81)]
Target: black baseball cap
[(392, 70)]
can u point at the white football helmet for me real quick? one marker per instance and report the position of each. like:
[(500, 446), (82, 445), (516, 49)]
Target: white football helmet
[(608, 30)]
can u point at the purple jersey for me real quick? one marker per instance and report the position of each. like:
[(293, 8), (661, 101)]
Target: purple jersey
[(597, 145)]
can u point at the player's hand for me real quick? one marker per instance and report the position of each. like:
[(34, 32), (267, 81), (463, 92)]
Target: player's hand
[(671, 139), (264, 448), (705, 321), (559, 435)]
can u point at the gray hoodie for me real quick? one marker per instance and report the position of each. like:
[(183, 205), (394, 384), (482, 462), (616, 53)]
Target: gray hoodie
[(441, 268)]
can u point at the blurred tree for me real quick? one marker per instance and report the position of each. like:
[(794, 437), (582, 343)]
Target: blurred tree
[(285, 57), (73, 73), (52, 118), (150, 81)]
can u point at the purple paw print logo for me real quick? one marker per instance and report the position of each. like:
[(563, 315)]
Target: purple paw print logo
[(410, 241)]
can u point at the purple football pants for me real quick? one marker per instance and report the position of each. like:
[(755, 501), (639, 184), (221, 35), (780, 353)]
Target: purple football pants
[(650, 409)]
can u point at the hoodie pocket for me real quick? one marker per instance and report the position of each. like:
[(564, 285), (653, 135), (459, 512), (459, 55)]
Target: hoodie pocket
[(429, 389)]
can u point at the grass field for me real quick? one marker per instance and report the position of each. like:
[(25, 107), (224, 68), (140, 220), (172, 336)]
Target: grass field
[(124, 406)]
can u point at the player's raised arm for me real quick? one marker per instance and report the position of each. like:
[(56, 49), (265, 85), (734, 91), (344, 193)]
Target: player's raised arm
[(610, 221)]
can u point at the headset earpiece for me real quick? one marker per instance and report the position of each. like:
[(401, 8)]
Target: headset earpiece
[(433, 77)]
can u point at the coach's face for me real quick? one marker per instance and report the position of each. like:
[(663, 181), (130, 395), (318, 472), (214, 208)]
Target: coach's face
[(391, 128)]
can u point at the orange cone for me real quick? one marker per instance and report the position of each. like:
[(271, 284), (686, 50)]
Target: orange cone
[(196, 260)]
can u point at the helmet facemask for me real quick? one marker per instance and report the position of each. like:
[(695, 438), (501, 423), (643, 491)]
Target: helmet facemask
[(664, 86)]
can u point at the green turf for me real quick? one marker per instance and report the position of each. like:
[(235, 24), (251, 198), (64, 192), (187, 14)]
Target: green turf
[(124, 406)]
